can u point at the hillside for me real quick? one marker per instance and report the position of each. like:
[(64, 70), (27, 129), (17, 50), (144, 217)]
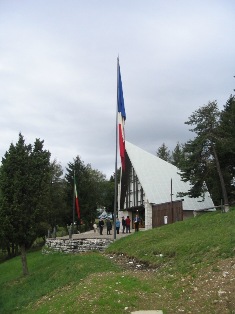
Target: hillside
[(187, 267), (185, 245)]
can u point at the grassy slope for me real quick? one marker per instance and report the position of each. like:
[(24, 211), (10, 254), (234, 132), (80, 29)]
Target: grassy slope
[(91, 283), (203, 239)]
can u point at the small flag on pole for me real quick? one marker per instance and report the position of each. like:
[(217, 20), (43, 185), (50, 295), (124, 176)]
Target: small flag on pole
[(121, 118), (76, 199)]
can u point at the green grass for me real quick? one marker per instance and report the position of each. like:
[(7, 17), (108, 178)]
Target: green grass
[(196, 241), (92, 283), (47, 274)]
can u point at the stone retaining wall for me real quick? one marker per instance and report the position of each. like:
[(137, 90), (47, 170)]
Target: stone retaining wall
[(75, 246)]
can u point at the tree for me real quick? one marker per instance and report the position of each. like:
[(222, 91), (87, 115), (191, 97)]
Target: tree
[(78, 167), (201, 153), (57, 204), (226, 149), (164, 153), (177, 154), (89, 189), (94, 193), (108, 190), (24, 184)]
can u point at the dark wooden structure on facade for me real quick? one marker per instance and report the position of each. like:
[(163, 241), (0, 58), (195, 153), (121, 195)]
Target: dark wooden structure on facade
[(166, 213)]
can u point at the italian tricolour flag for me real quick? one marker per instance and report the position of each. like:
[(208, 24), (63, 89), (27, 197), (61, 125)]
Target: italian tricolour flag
[(76, 200)]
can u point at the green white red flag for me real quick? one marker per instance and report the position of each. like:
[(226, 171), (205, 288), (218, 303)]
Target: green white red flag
[(76, 200)]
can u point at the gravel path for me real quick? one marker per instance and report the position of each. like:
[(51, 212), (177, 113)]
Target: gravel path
[(96, 235)]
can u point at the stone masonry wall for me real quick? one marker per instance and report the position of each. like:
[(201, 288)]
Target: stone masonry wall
[(75, 246)]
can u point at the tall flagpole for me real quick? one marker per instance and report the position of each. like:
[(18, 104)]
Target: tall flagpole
[(116, 189), (73, 201)]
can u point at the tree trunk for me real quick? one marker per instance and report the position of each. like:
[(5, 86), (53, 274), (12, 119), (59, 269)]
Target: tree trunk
[(8, 251), (13, 249), (224, 192), (24, 260)]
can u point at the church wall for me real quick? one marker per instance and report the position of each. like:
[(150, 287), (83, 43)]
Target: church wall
[(148, 215)]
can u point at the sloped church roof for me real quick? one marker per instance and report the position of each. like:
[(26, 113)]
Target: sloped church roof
[(155, 176)]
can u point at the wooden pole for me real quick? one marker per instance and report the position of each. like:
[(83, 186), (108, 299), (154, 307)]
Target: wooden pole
[(172, 211)]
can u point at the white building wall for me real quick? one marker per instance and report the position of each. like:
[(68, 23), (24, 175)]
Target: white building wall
[(148, 215), (132, 203)]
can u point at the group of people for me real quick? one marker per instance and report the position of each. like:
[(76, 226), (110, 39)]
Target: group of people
[(126, 225), (108, 225)]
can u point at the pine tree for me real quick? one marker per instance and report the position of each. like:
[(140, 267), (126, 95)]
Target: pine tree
[(201, 155), (164, 153), (226, 149), (24, 184), (57, 204), (89, 188), (177, 154)]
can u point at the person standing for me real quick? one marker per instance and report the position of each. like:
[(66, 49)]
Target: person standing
[(101, 226), (128, 224), (123, 224), (117, 225), (137, 222), (109, 226)]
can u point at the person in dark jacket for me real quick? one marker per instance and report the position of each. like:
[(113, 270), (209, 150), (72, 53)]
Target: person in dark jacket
[(123, 224), (136, 222), (101, 226), (109, 226)]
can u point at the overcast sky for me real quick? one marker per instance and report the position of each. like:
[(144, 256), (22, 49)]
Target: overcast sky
[(58, 62)]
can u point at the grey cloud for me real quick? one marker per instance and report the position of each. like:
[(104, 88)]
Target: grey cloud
[(58, 72)]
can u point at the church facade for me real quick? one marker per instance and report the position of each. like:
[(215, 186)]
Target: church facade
[(150, 187)]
